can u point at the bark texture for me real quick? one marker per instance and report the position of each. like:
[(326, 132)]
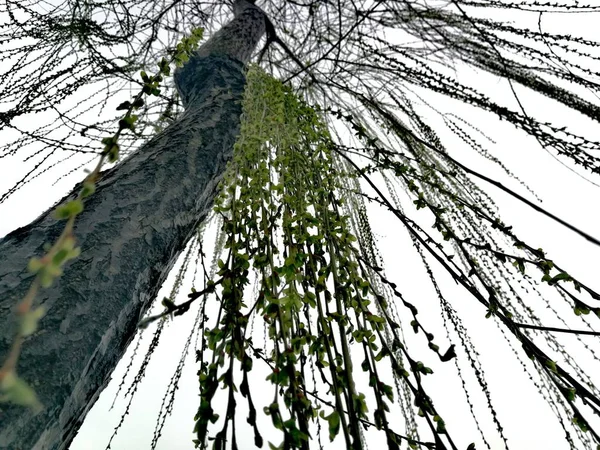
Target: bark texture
[(131, 232)]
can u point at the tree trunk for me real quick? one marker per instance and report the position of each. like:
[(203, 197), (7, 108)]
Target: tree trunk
[(131, 232)]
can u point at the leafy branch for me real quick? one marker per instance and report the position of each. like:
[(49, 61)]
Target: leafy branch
[(49, 267)]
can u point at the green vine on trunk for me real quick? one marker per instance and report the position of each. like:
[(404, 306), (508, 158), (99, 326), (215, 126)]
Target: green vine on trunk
[(49, 267)]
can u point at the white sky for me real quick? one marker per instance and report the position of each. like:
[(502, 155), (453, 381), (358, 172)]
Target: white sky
[(522, 412)]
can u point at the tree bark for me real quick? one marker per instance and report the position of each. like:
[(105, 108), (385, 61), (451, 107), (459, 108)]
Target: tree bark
[(131, 232)]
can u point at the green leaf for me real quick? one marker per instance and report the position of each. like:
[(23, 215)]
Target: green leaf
[(29, 321), (124, 106), (164, 67), (113, 153), (168, 304), (423, 369), (384, 352), (35, 265), (388, 391), (420, 202), (563, 276), (580, 308), (450, 354), (138, 103), (275, 416), (365, 365), (109, 141), (47, 277), (14, 390), (333, 420), (580, 422), (247, 363), (89, 187), (570, 393), (69, 209), (415, 325), (519, 263), (127, 122), (441, 425), (551, 365)]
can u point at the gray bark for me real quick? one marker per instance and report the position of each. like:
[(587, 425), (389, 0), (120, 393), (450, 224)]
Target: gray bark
[(131, 232)]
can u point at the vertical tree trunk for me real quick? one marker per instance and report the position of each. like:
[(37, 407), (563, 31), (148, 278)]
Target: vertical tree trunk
[(131, 232)]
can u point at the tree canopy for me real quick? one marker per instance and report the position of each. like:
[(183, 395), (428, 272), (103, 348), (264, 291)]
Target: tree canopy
[(347, 107)]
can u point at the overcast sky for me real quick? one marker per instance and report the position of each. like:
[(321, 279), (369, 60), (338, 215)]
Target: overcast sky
[(523, 413)]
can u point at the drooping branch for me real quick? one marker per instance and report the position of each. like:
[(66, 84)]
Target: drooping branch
[(377, 80), (131, 232)]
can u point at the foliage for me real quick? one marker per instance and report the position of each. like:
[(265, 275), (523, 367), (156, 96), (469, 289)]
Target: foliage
[(50, 266), (295, 203), (284, 226)]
